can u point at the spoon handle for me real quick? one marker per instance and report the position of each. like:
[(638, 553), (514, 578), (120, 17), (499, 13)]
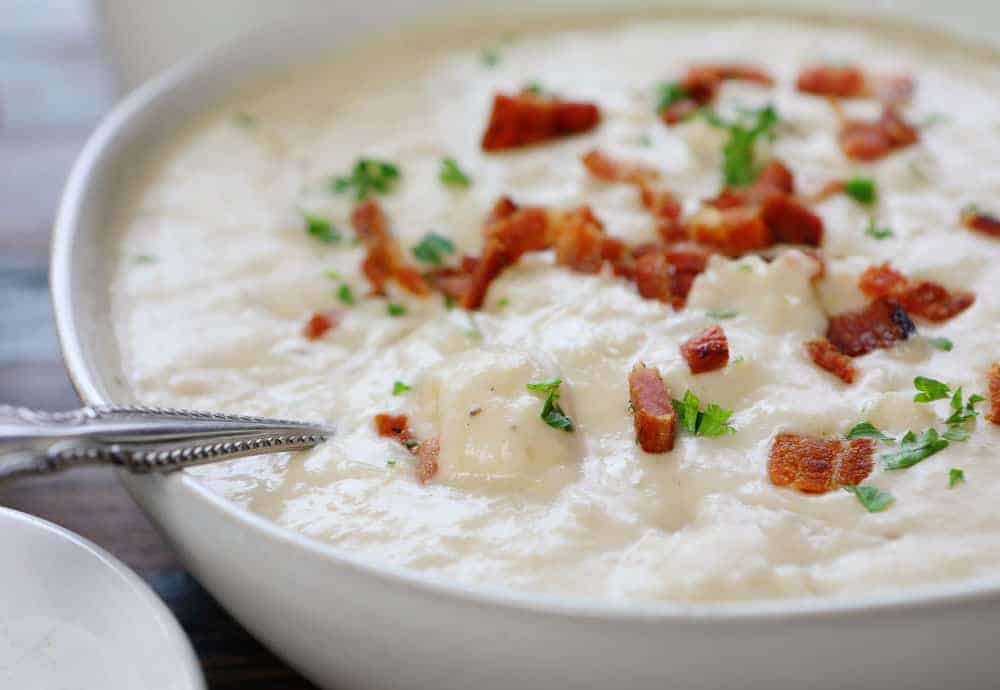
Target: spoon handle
[(140, 439)]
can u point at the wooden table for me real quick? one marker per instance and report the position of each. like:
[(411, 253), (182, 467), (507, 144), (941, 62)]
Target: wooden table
[(54, 86)]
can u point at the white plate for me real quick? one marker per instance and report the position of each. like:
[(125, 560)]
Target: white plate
[(73, 617)]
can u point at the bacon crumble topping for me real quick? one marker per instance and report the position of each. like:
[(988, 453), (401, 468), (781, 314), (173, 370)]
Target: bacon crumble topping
[(528, 118), (977, 220), (865, 140), (384, 259), (396, 426), (846, 81), (993, 379), (923, 298), (321, 322), (881, 324), (815, 466), (653, 411), (706, 351), (828, 357), (701, 83)]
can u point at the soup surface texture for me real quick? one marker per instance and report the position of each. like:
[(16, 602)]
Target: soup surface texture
[(219, 273)]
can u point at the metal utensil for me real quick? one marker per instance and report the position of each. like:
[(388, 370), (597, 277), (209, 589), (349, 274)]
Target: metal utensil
[(140, 439)]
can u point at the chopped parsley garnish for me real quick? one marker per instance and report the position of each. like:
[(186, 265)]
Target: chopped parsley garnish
[(449, 302), (930, 390), (867, 430), (332, 274), (490, 57), (861, 189), (552, 414), (872, 498), (668, 94), (452, 175), (345, 294), (878, 233), (727, 314), (535, 88), (368, 175), (962, 413), (503, 302), (411, 443), (398, 388), (645, 141), (941, 344), (319, 228), (713, 421), (913, 449), (433, 248), (244, 119), (738, 165), (955, 476), (144, 259), (395, 309)]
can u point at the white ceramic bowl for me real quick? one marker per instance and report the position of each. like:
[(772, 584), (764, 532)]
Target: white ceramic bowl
[(344, 622)]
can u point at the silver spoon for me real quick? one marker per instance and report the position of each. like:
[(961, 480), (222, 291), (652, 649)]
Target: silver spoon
[(140, 439)]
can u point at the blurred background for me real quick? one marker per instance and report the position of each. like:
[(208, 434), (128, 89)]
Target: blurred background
[(57, 79)]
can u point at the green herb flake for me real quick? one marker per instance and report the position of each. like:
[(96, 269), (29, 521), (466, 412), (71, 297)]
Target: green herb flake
[(552, 414), (368, 176), (714, 421), (867, 430), (955, 476), (411, 443), (490, 57), (321, 229), (345, 294), (876, 232), (398, 388), (963, 412), (668, 94), (535, 88), (727, 314), (942, 344), (872, 498), (861, 189), (395, 309), (144, 259), (645, 141), (244, 120), (432, 248), (332, 274), (503, 302), (913, 449), (449, 302), (452, 175), (929, 390), (739, 167)]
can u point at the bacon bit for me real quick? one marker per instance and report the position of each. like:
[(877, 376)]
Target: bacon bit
[(701, 84), (707, 351), (321, 322), (826, 356), (527, 119), (579, 239), (774, 179), (923, 298), (453, 281), (503, 208), (994, 390), (604, 167), (427, 459), (395, 426), (652, 277), (667, 274), (792, 223), (830, 189), (851, 82), (881, 324), (815, 465), (733, 231), (985, 223), (653, 412), (384, 259), (868, 141)]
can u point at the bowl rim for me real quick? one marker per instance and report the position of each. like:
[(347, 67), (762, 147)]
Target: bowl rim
[(154, 95)]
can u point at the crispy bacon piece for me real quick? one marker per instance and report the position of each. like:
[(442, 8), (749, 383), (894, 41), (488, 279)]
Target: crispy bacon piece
[(453, 281), (653, 412), (994, 392), (321, 322), (881, 324), (652, 277), (847, 81), (733, 231), (815, 465), (396, 426), (922, 298), (826, 356), (427, 459), (986, 223), (701, 84), (706, 351), (868, 141), (579, 239), (790, 222), (604, 167), (774, 179), (527, 119), (667, 274), (384, 259)]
